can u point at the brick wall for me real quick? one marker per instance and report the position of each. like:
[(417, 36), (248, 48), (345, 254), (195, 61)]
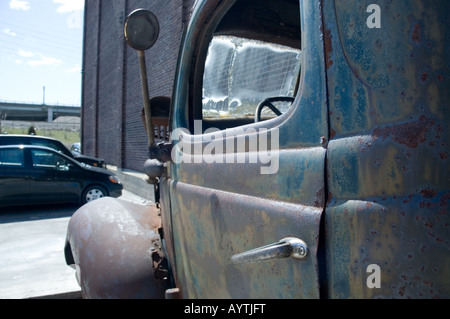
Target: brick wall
[(112, 96)]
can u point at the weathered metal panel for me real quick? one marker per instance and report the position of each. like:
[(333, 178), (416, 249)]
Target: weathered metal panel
[(407, 237), (225, 224), (299, 177), (109, 242), (392, 74), (388, 168)]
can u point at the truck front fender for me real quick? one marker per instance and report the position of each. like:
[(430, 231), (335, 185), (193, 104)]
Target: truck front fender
[(110, 243)]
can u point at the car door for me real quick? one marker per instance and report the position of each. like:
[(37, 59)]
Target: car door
[(14, 180), (243, 194), (54, 179)]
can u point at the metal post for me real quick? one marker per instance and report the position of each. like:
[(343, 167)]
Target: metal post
[(50, 114), (146, 97)]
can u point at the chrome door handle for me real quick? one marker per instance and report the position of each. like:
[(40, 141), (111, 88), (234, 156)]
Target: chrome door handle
[(287, 247)]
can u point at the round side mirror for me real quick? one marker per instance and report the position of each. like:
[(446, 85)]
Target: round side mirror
[(141, 29)]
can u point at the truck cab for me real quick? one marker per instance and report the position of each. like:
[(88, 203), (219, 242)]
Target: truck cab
[(307, 157)]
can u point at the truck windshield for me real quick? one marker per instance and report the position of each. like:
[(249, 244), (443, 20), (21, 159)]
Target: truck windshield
[(240, 73)]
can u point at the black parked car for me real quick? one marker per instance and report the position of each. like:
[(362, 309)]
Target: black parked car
[(52, 143), (36, 175)]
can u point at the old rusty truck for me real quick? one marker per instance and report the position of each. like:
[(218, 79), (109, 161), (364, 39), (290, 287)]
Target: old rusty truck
[(305, 155)]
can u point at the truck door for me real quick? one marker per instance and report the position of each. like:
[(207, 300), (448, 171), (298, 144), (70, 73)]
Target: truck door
[(244, 193)]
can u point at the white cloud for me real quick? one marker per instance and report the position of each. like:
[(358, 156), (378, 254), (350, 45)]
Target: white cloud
[(44, 60), (75, 69), (69, 5), (25, 54), (37, 59), (75, 8), (9, 32), (19, 5)]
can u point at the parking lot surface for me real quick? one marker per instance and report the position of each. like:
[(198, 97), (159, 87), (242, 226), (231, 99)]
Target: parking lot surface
[(32, 263)]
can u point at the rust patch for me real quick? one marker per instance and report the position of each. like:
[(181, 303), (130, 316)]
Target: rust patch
[(410, 134), (332, 134), (320, 198), (428, 193), (443, 155), (416, 37), (424, 77), (328, 48)]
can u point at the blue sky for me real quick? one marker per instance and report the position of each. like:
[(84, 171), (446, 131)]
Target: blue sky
[(41, 46)]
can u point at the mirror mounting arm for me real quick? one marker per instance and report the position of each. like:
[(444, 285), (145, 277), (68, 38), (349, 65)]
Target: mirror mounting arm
[(141, 32), (146, 97)]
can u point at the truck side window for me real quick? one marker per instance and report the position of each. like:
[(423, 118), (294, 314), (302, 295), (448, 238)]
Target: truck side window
[(254, 54), (240, 73)]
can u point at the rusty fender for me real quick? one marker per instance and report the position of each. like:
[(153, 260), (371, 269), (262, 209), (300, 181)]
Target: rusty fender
[(114, 246)]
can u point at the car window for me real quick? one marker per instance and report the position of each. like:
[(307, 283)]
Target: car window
[(12, 140), (48, 160), (51, 144), (11, 158), (240, 73)]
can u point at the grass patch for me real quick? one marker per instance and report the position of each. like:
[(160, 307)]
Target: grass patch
[(65, 136)]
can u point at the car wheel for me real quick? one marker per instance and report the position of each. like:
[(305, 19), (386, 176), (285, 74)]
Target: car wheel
[(92, 193)]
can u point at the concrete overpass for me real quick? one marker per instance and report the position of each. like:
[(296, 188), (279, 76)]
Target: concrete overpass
[(36, 112)]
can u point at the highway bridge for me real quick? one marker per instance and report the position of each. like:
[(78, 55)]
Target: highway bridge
[(36, 112)]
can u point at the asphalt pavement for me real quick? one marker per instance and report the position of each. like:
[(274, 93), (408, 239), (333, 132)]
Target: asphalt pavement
[(32, 263)]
